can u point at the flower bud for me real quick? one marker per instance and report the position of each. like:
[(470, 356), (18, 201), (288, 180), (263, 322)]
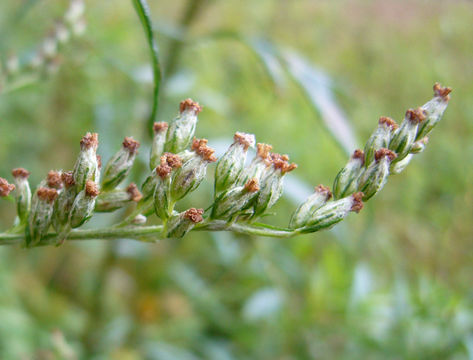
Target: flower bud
[(235, 200), (5, 187), (419, 146), (23, 192), (346, 181), (75, 11), (54, 180), (302, 214), (120, 164), (117, 198), (139, 219), (258, 165), (162, 197), (180, 224), (86, 167), (272, 183), (434, 110), (380, 138), (40, 216), (398, 167), (405, 136), (231, 164), (83, 205), (376, 175), (333, 212), (189, 176), (65, 199), (181, 129), (159, 140)]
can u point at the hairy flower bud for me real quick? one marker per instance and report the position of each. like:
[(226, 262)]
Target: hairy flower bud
[(405, 136), (159, 140), (380, 138), (346, 181), (117, 198), (23, 193), (376, 175), (189, 176), (235, 200), (231, 164), (333, 212), (83, 205), (162, 196), (180, 224), (40, 216), (86, 167), (302, 214), (5, 187), (182, 128), (64, 201), (398, 167), (434, 110), (120, 164)]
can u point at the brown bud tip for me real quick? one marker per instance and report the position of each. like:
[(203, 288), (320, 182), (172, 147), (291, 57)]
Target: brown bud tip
[(5, 187), (204, 151), (131, 144), (263, 150), (163, 170), (194, 215), (68, 179), (90, 140), (160, 126), (415, 116), (325, 190), (135, 194), (91, 189), (191, 105), (54, 179), (252, 185), (384, 120), (20, 173), (47, 194), (173, 160), (246, 140), (357, 202), (381, 153), (360, 155), (99, 161), (442, 92)]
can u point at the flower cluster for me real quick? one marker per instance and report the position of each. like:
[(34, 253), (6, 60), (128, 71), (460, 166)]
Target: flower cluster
[(45, 58), (244, 190)]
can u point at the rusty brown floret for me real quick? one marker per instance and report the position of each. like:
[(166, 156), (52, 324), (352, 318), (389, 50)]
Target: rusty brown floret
[(47, 194), (67, 179), (357, 203), (199, 146), (252, 185), (131, 144), (281, 162), (190, 104), (91, 189), (90, 140), (163, 170), (383, 152), (360, 155), (135, 194), (384, 120), (54, 179), (173, 160), (244, 139), (263, 150), (442, 92), (416, 116), (5, 187), (99, 161), (325, 190), (194, 215), (160, 126), (20, 173)]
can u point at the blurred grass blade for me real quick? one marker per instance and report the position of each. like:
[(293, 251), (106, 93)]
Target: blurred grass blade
[(317, 87), (142, 9)]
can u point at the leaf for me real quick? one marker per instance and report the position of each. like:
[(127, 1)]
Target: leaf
[(142, 9), (316, 85)]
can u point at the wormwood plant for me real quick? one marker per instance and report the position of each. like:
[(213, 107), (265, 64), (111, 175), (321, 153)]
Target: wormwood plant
[(243, 194)]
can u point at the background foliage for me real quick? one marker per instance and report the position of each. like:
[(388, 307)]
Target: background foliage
[(393, 282)]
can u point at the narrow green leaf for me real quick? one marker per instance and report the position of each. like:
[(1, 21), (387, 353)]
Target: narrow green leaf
[(142, 9)]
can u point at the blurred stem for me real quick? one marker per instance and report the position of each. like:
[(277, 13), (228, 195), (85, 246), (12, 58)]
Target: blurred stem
[(152, 233)]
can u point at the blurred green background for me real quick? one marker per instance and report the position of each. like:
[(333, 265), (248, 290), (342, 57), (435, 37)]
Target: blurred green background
[(393, 282)]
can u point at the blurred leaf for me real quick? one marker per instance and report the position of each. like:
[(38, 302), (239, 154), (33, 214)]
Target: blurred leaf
[(317, 86), (142, 9), (164, 351), (262, 304)]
